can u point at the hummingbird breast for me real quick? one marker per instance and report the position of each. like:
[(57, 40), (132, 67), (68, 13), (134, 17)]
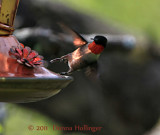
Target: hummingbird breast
[(81, 58)]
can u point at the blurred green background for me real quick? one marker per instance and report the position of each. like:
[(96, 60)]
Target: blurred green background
[(138, 16), (19, 119)]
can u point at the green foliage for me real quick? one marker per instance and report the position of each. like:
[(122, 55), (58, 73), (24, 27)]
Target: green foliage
[(19, 119), (139, 15)]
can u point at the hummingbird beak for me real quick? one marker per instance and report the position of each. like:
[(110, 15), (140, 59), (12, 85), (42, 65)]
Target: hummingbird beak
[(92, 38)]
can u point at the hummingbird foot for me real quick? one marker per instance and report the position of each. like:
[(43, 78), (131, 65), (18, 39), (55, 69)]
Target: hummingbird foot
[(64, 73), (56, 59)]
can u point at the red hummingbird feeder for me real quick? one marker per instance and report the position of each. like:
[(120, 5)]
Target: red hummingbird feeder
[(19, 83)]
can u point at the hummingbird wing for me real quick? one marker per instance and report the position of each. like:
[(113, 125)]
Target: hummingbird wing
[(92, 71), (78, 40)]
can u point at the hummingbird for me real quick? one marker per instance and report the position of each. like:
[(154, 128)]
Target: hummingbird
[(86, 53)]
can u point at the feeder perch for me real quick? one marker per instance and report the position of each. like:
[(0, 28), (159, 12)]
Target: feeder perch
[(19, 83)]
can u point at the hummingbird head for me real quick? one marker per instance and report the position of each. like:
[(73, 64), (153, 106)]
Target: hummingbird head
[(100, 40), (98, 45)]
